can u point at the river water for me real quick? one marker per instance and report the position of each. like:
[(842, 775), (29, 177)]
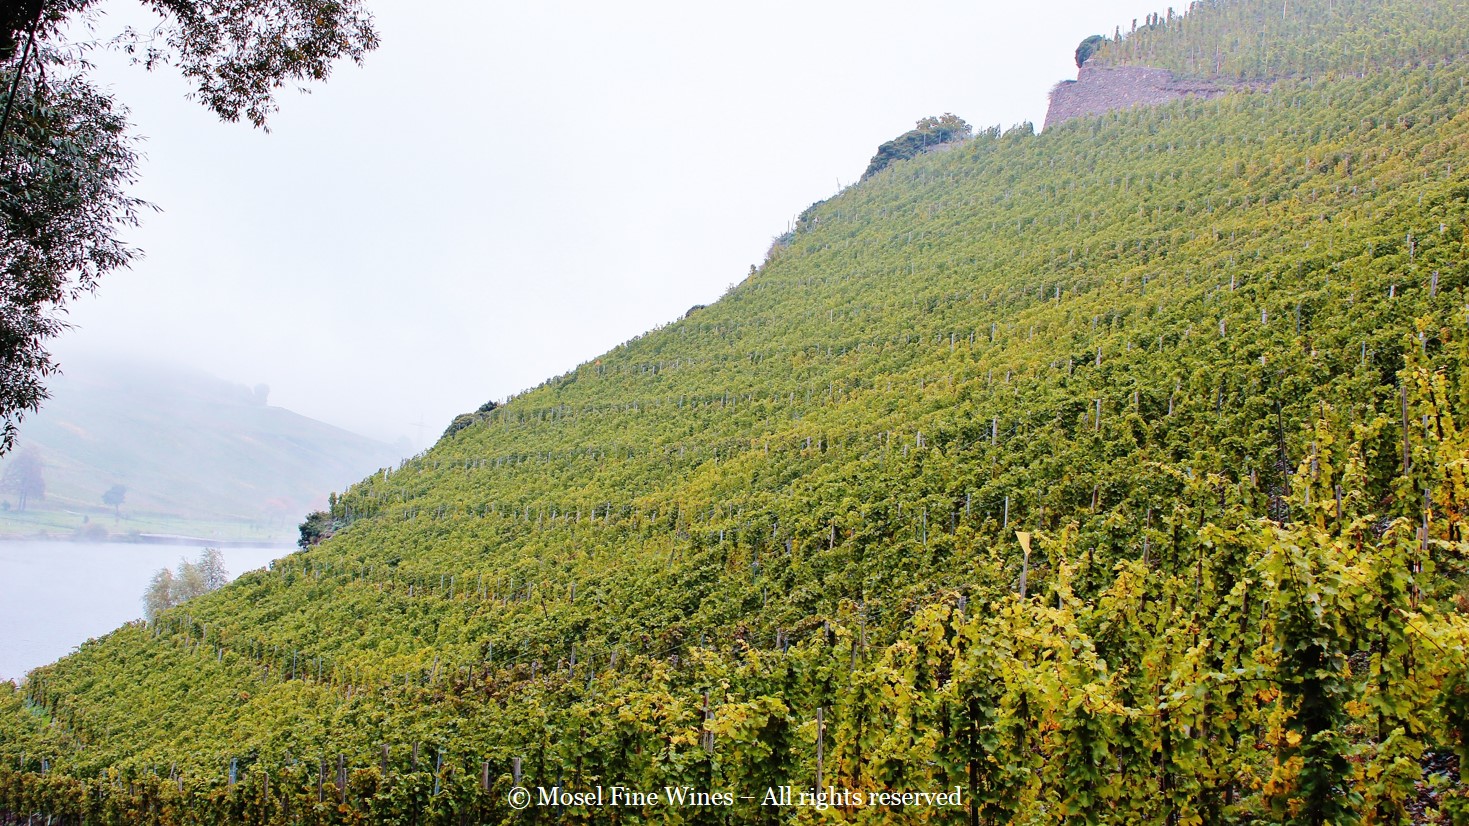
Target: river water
[(56, 595)]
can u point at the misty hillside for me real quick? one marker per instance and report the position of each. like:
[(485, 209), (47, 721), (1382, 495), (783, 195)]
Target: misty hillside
[(1108, 475), (193, 453)]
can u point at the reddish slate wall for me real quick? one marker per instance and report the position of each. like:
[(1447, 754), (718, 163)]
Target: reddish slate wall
[(1098, 90)]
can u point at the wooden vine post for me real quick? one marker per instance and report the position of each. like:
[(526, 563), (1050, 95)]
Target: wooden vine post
[(1024, 538), (820, 748)]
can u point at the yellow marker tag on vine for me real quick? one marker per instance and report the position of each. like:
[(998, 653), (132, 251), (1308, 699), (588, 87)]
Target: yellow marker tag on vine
[(1024, 537)]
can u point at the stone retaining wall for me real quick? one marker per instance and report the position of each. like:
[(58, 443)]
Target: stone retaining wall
[(1098, 90)]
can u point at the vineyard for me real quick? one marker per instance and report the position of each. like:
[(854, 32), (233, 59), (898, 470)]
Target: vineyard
[(1115, 474)]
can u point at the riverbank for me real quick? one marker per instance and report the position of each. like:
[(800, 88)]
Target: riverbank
[(34, 525)]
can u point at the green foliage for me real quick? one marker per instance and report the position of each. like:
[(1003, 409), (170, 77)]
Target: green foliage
[(160, 594), (235, 54), (1211, 356), (65, 164), (168, 589), (318, 526), (1087, 48), (66, 160), (1264, 40), (930, 133), (464, 420)]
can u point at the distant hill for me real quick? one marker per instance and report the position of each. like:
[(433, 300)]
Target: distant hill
[(193, 455)]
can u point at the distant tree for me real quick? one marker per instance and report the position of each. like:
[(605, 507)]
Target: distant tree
[(930, 132), (24, 478), (191, 579), (318, 526), (188, 582), (160, 594), (1088, 48), (464, 420), (115, 496), (211, 568)]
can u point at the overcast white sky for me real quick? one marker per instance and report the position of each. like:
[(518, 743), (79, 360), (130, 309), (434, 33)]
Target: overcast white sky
[(505, 190)]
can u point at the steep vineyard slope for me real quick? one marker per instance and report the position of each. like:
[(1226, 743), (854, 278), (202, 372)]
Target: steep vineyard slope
[(1208, 358), (1265, 40), (1251, 44)]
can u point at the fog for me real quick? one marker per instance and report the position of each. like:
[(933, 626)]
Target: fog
[(505, 190)]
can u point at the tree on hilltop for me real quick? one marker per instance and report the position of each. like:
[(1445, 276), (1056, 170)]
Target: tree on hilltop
[(464, 420), (318, 526), (929, 132), (1088, 47)]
